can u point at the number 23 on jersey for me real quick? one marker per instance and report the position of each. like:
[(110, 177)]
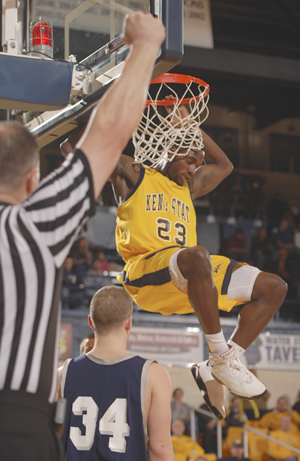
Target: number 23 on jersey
[(165, 232)]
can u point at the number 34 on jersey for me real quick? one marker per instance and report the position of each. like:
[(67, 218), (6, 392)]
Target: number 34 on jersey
[(112, 423)]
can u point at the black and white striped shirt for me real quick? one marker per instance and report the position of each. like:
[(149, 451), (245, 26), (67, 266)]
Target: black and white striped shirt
[(35, 239)]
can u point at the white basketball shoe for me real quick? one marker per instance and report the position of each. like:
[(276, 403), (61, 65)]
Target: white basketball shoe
[(212, 391), (227, 369)]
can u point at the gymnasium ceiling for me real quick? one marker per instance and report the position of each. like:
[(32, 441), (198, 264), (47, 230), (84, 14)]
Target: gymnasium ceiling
[(255, 63)]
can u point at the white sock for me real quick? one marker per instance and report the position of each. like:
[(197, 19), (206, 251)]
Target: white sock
[(217, 343), (238, 349)]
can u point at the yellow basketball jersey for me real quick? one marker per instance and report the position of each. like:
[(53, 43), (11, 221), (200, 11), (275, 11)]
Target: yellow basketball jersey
[(158, 213)]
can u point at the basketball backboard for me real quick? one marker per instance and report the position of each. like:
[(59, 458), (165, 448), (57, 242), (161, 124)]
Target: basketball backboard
[(78, 27)]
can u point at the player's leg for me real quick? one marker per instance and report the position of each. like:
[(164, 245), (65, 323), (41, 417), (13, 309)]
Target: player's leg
[(263, 294), (191, 269), (194, 265), (268, 294)]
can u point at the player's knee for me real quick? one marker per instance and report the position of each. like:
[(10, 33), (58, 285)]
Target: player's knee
[(274, 289), (279, 288), (196, 261)]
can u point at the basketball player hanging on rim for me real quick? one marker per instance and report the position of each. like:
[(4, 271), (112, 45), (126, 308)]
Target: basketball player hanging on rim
[(165, 270)]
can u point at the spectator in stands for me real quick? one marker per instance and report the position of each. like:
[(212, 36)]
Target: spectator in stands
[(184, 446), (82, 258), (68, 279), (283, 237), (207, 430), (95, 279), (271, 419), (281, 265), (88, 233), (179, 409), (262, 252), (235, 415), (296, 406), (285, 434), (236, 452), (236, 246), (87, 343), (297, 234), (277, 208), (105, 267)]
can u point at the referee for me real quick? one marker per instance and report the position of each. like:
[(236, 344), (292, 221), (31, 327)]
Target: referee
[(38, 225)]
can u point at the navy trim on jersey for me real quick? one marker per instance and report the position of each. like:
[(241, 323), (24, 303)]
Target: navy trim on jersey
[(166, 248), (141, 177), (227, 277), (154, 278)]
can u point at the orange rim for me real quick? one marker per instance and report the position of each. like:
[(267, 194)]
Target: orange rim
[(178, 78)]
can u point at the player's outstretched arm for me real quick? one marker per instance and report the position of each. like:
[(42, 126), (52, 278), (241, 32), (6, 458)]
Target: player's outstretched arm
[(119, 111), (217, 168), (158, 412)]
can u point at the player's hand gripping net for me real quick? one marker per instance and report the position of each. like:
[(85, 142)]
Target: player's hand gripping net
[(170, 124)]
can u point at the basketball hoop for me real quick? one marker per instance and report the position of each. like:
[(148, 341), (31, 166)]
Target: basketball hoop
[(170, 125)]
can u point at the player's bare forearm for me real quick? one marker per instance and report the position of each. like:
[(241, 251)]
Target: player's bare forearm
[(217, 168), (206, 179)]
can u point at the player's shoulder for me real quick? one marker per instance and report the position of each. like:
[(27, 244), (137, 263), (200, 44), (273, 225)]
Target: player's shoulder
[(158, 376)]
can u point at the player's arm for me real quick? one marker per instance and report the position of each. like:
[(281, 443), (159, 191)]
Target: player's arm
[(67, 146), (119, 111), (210, 175), (158, 411), (124, 177)]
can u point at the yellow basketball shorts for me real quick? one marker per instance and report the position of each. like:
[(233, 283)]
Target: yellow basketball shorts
[(147, 279)]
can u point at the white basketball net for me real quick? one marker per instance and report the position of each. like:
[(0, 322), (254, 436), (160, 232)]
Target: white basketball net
[(165, 136)]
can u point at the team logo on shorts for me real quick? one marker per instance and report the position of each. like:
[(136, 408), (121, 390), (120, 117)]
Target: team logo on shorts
[(216, 269)]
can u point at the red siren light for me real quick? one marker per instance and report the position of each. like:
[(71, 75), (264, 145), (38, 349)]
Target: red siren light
[(41, 37)]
